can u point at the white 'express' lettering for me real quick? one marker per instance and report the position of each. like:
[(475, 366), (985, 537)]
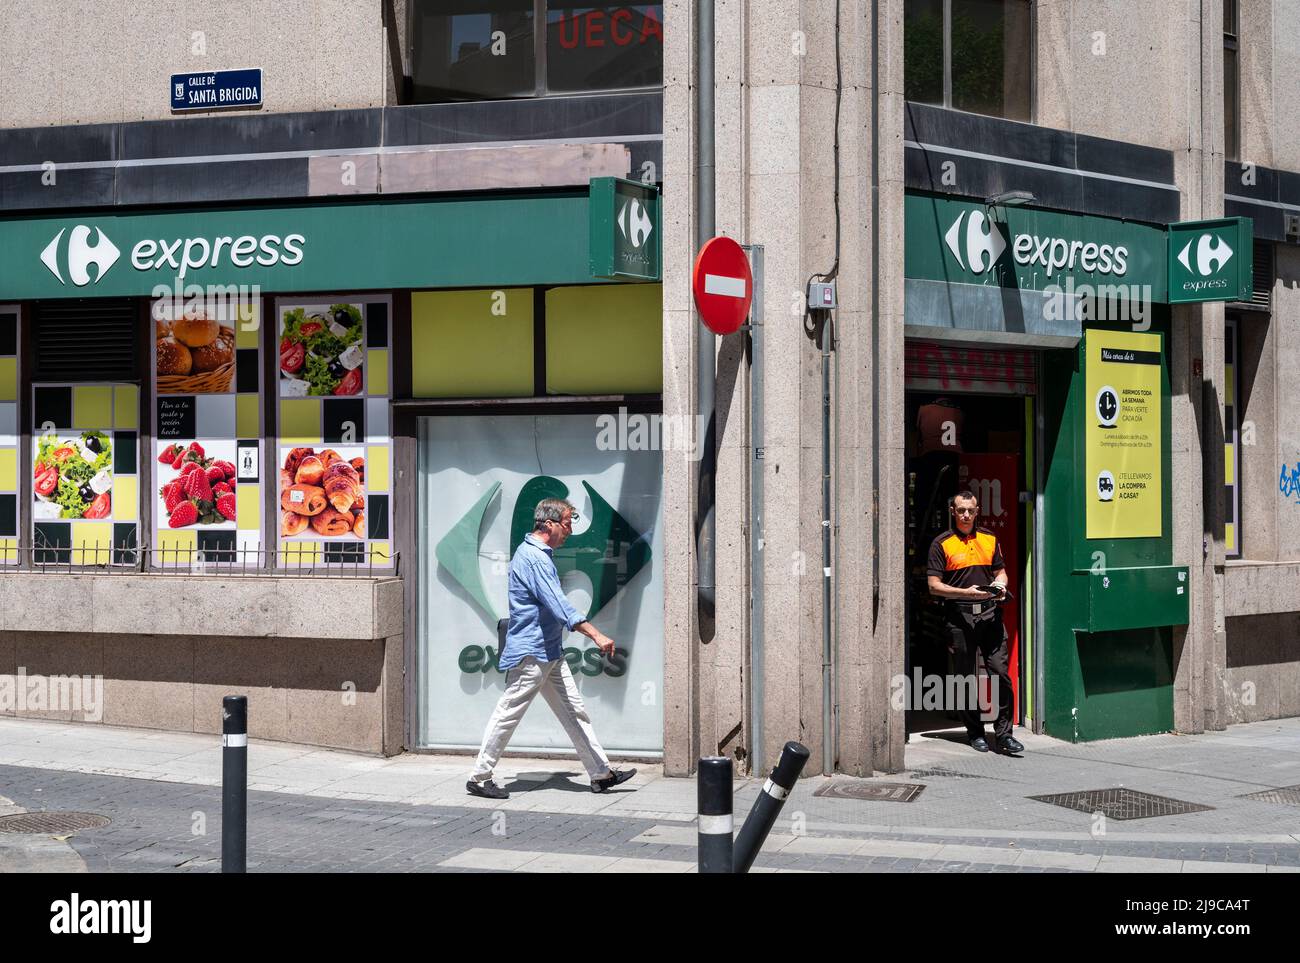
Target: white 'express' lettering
[(1056, 254), (182, 254)]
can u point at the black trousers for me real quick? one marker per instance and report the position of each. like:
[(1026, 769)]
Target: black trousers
[(989, 640)]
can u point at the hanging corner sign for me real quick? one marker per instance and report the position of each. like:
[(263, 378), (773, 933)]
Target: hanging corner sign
[(625, 230), (1211, 260), (723, 285)]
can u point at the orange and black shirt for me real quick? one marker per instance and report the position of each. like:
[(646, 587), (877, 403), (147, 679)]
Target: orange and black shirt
[(964, 561)]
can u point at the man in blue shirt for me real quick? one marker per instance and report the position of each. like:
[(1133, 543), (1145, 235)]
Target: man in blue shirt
[(533, 656)]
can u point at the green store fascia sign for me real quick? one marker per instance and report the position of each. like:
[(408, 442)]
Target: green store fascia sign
[(494, 240), (960, 242)]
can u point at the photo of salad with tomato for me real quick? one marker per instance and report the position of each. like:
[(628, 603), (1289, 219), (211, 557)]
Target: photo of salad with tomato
[(73, 477), (321, 350)]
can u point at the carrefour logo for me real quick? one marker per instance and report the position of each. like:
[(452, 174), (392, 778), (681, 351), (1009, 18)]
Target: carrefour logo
[(610, 552), (1212, 253), (977, 243), (634, 223), (981, 241), (80, 254)]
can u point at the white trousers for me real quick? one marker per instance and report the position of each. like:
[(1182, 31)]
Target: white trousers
[(555, 682)]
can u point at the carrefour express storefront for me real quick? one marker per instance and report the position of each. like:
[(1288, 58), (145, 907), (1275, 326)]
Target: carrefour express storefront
[(1051, 333), (388, 386)]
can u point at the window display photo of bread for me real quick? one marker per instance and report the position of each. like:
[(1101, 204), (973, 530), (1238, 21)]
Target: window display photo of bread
[(174, 358), (195, 332), (210, 357)]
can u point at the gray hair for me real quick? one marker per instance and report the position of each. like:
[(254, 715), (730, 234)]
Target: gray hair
[(550, 510)]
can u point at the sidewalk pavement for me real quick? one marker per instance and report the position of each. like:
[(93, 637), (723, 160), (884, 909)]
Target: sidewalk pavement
[(973, 812)]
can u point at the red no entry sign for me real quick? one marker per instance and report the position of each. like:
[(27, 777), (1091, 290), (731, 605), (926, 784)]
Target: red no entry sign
[(723, 285)]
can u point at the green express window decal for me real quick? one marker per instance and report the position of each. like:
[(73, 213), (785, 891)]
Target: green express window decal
[(480, 477)]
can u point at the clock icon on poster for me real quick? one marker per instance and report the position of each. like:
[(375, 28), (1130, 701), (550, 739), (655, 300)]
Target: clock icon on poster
[(1107, 406)]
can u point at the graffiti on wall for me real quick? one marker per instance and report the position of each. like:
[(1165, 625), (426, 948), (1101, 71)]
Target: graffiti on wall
[(1288, 481)]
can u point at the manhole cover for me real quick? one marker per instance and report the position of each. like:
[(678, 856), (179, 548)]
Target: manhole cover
[(1287, 796), (940, 773), (51, 824), (873, 791), (1122, 803)]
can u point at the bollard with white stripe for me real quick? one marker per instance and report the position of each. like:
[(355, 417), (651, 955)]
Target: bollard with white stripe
[(234, 784), (768, 804), (714, 789)]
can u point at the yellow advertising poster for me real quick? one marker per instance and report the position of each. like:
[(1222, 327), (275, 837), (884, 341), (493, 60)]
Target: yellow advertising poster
[(1122, 409)]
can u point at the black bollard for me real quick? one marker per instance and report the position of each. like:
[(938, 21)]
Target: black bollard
[(768, 804), (714, 787), (234, 784)]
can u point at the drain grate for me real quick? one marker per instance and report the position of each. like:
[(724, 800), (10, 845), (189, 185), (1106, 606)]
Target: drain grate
[(871, 791), (1122, 803), (1287, 796), (938, 772), (51, 823)]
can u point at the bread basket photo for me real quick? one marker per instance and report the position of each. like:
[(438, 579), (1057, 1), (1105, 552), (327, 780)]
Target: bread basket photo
[(194, 356)]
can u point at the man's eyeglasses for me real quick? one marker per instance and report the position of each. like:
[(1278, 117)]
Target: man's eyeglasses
[(965, 511), (572, 518)]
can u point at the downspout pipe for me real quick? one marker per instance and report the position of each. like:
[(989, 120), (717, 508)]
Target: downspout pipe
[(705, 227), (875, 313)]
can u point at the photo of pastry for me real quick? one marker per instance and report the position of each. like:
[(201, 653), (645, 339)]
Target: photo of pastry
[(321, 350), (322, 493), (193, 355), (72, 476), (197, 485)]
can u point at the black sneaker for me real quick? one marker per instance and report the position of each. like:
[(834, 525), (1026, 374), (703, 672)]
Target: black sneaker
[(979, 744), (616, 777), (488, 790), (1009, 745)]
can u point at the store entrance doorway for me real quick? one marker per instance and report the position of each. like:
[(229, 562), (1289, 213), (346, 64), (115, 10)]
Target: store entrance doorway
[(983, 442)]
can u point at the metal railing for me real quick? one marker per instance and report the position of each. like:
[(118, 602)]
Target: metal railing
[(305, 560)]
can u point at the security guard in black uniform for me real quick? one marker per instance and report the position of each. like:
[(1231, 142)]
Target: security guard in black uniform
[(964, 561)]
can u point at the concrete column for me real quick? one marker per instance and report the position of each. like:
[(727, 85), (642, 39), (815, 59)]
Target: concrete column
[(680, 697), (892, 497)]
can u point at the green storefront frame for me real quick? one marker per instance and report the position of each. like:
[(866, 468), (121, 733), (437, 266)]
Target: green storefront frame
[(1110, 608), (500, 240)]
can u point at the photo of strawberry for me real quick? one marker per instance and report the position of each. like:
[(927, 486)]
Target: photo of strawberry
[(197, 486), (172, 494), (201, 491), (185, 513), (226, 506)]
